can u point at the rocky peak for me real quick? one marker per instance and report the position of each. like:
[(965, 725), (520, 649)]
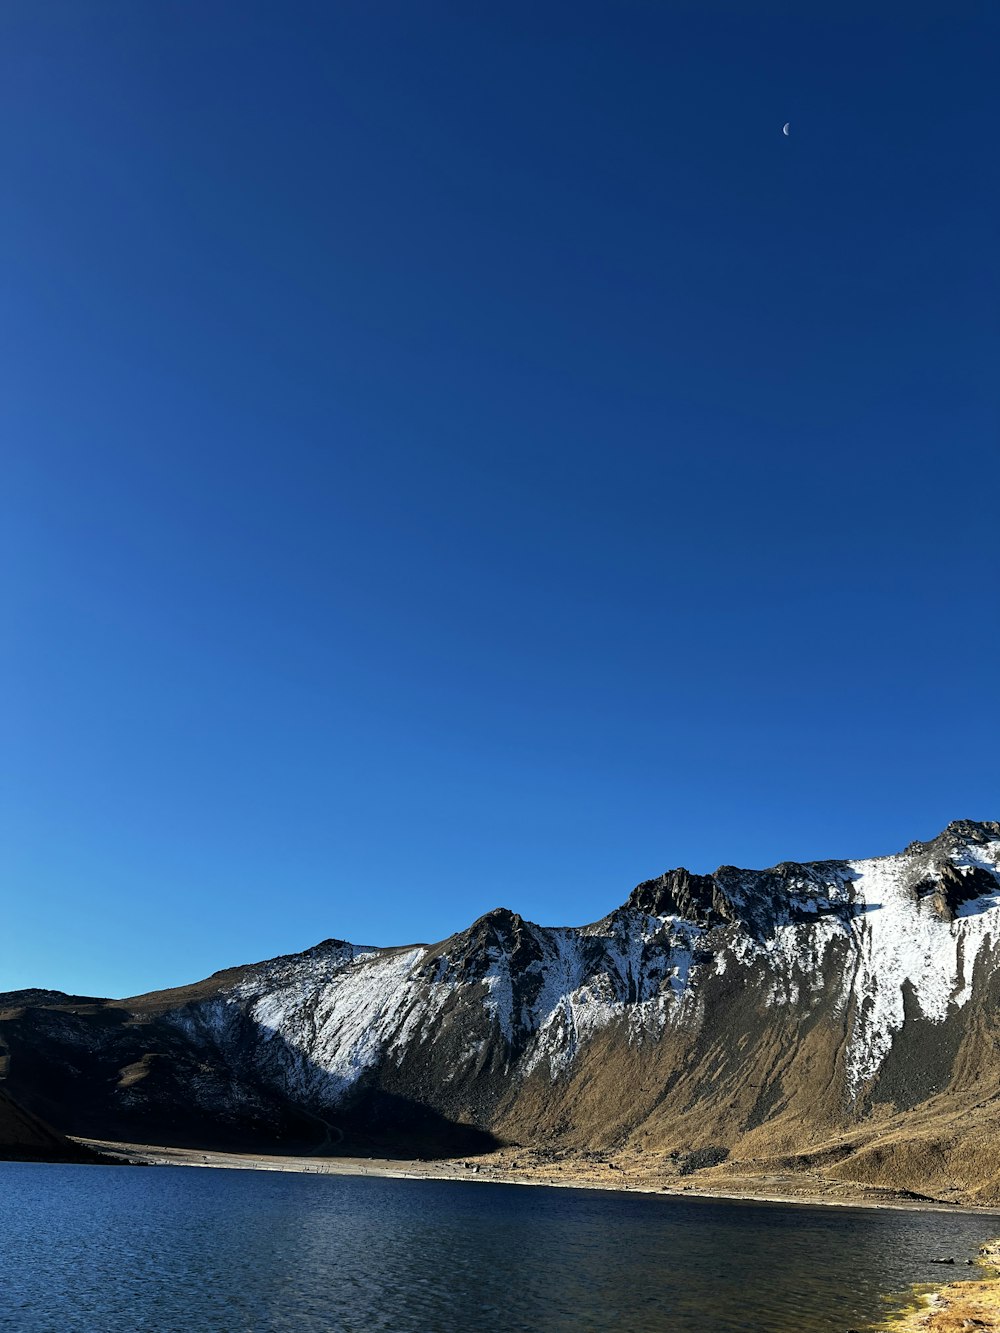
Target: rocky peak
[(972, 830), (500, 933), (694, 898), (958, 866), (958, 834), (756, 900)]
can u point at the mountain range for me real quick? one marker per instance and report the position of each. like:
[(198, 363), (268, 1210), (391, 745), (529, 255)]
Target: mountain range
[(833, 1020)]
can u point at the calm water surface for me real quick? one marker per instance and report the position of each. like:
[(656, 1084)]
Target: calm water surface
[(180, 1250)]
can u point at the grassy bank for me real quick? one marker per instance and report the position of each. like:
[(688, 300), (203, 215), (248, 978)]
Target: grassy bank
[(956, 1306)]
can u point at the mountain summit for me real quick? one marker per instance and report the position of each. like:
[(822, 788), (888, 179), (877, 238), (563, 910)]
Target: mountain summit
[(836, 1016)]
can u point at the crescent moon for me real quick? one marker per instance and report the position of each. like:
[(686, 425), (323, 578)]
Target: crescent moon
[(784, 128)]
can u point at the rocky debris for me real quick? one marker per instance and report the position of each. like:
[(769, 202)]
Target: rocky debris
[(701, 1159)]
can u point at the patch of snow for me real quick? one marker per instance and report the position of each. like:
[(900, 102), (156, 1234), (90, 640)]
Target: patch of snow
[(343, 1027), (901, 941)]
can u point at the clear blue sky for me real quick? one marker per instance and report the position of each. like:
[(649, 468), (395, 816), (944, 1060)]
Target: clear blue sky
[(460, 455)]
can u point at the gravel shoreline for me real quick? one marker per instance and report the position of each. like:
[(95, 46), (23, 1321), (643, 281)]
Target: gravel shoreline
[(637, 1177)]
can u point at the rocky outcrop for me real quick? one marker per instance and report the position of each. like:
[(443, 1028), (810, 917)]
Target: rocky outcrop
[(696, 898), (722, 1019)]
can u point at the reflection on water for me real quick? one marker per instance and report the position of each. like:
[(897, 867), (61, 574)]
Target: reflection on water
[(175, 1250)]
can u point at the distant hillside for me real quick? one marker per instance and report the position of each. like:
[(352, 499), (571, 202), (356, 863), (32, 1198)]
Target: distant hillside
[(838, 1020)]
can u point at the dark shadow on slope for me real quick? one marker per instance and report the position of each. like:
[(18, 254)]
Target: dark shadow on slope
[(370, 1119), (25, 1138), (109, 1073), (385, 1124)]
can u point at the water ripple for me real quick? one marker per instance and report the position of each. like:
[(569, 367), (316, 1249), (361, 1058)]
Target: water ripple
[(177, 1250)]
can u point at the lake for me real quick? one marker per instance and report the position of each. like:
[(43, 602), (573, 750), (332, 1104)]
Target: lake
[(173, 1249)]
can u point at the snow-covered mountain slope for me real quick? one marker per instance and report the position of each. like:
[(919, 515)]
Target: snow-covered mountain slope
[(759, 1009)]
